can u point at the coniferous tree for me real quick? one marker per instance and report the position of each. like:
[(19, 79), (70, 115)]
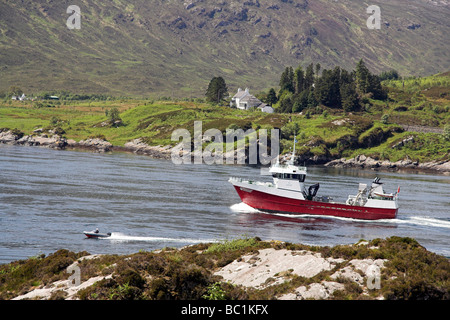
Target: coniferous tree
[(327, 88), (322, 87), (362, 77), (309, 77), (349, 97), (299, 80), (271, 97), (375, 87), (318, 66), (335, 88), (217, 90), (312, 102), (390, 75), (287, 80), (286, 104), (301, 101), (334, 96)]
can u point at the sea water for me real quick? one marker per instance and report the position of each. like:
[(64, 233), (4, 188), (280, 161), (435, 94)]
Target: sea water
[(49, 197)]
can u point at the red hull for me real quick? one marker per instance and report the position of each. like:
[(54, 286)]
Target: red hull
[(272, 203)]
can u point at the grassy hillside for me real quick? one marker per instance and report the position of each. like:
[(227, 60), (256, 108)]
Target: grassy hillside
[(413, 123), (173, 48), (152, 121)]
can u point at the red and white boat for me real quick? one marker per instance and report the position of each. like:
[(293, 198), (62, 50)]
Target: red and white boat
[(287, 194)]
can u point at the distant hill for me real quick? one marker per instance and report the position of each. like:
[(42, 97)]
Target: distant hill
[(173, 48)]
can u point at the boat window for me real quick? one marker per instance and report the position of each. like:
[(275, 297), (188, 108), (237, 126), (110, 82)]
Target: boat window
[(299, 177)]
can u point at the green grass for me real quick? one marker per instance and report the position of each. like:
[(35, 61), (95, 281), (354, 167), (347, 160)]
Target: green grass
[(152, 121), (231, 245), (327, 132)]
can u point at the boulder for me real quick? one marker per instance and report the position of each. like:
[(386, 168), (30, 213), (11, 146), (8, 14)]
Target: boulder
[(8, 137), (97, 144)]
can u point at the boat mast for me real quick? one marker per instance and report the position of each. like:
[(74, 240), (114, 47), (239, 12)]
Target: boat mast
[(293, 151)]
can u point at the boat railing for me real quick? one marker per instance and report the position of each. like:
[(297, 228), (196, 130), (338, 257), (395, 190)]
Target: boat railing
[(259, 183), (288, 166)]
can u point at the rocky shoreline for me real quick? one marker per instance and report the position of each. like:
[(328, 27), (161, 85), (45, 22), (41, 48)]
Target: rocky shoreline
[(55, 141), (361, 161)]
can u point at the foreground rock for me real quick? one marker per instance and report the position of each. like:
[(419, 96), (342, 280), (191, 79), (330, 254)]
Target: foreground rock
[(270, 266), (67, 287), (394, 268)]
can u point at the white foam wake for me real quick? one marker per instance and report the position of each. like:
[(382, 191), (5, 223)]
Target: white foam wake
[(418, 221), (425, 221), (117, 236), (243, 208)]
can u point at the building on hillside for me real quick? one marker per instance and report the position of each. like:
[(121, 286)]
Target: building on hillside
[(23, 97), (244, 100)]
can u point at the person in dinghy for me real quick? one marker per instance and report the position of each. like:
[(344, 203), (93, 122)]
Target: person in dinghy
[(95, 234)]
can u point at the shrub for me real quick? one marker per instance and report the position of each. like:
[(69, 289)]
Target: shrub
[(446, 133), (232, 245), (215, 292)]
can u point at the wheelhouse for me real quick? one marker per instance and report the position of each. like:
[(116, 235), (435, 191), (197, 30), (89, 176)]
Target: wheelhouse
[(289, 176)]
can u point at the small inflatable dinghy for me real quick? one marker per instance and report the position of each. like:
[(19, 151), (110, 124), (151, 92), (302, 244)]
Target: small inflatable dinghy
[(96, 234)]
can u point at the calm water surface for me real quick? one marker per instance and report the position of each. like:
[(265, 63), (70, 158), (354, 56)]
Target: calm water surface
[(49, 197)]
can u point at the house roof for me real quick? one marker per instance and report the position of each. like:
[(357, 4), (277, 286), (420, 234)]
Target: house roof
[(251, 99), (240, 94)]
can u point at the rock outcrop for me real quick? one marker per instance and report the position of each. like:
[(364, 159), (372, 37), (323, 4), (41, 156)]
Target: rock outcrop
[(270, 266), (97, 144), (362, 161), (139, 147), (54, 141)]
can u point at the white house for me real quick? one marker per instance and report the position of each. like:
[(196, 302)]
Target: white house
[(19, 98), (244, 100)]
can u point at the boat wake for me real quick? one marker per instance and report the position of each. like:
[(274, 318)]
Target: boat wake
[(117, 236), (417, 221), (423, 221), (243, 208)]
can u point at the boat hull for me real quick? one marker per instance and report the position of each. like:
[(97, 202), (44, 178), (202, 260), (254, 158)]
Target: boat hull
[(267, 202), (94, 235)]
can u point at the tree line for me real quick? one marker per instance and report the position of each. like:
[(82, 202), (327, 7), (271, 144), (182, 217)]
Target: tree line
[(336, 88)]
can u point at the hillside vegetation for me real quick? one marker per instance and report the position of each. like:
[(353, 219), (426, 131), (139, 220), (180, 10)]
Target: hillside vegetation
[(412, 123), (144, 48), (408, 272)]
